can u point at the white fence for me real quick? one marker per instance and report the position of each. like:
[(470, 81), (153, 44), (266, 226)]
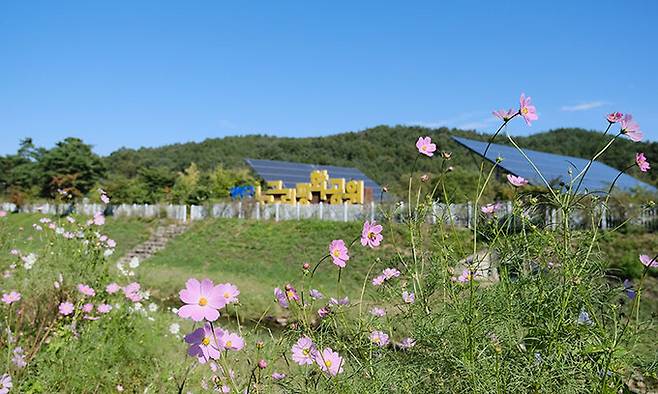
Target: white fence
[(460, 215)]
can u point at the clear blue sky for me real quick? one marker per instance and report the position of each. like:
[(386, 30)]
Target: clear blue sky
[(148, 73)]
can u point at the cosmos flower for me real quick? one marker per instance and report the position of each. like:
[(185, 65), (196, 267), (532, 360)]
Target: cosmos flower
[(229, 292), (648, 261), (278, 376), (202, 300), (378, 312), (407, 343), (338, 252), (379, 338), (378, 280), (315, 294), (86, 290), (371, 234), (329, 361), (203, 343), (231, 341), (304, 351), (112, 288), (425, 146), (505, 115), (527, 110), (5, 384), (516, 180), (390, 273), (614, 117), (11, 297), (408, 297), (631, 129), (281, 298), (66, 308), (104, 308), (642, 162)]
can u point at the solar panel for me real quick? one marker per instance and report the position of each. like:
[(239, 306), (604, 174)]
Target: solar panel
[(292, 173), (555, 168)]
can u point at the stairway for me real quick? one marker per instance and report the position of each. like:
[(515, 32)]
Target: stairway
[(155, 243)]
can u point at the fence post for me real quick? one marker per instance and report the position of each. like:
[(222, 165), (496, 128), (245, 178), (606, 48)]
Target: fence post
[(469, 214), (372, 211), (276, 212), (299, 211), (604, 217), (344, 211), (321, 210), (240, 209)]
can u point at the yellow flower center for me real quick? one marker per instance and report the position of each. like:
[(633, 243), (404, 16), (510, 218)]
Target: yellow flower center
[(229, 344), (524, 110), (305, 352), (328, 363), (336, 252), (291, 294), (226, 294), (424, 147), (206, 341), (376, 340), (372, 235), (203, 301)]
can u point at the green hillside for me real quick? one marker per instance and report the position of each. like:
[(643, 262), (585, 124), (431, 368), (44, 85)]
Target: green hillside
[(384, 153)]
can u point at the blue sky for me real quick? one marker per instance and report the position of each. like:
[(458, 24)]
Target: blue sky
[(148, 73)]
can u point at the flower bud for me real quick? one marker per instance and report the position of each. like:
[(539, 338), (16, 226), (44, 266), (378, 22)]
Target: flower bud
[(306, 266), (262, 364), (424, 178), (260, 344)]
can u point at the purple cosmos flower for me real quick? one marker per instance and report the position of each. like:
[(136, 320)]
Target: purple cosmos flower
[(104, 308), (371, 234), (229, 292), (338, 252), (339, 301), (203, 343), (408, 297), (648, 261), (304, 351), (378, 312), (329, 361), (86, 290), (390, 273), (407, 343), (379, 338), (278, 376), (231, 341), (628, 289), (378, 280), (315, 294), (5, 384), (281, 297)]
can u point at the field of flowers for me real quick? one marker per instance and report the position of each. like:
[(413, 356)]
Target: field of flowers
[(367, 308)]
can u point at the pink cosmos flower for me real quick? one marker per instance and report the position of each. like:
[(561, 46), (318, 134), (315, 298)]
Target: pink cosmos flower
[(291, 293), (65, 308), (231, 341), (527, 110), (10, 298), (329, 361), (229, 292), (631, 129), (203, 343), (304, 351), (338, 252), (3, 213), (408, 297), (278, 376), (371, 235), (378, 312), (104, 308), (614, 117), (281, 298), (517, 180), (425, 146), (111, 243), (648, 261), (324, 311), (112, 288), (99, 219), (407, 343), (390, 273), (132, 292), (642, 162), (315, 294), (202, 299), (505, 115), (86, 290), (490, 209), (105, 199), (88, 307), (379, 338), (378, 280), (5, 384)]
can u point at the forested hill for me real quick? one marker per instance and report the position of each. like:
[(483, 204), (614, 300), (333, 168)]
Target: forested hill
[(384, 153)]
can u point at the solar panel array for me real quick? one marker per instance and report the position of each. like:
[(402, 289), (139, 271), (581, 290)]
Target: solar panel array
[(292, 173), (555, 168)]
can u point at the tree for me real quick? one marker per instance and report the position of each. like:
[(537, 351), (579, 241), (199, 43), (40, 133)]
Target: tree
[(71, 166)]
